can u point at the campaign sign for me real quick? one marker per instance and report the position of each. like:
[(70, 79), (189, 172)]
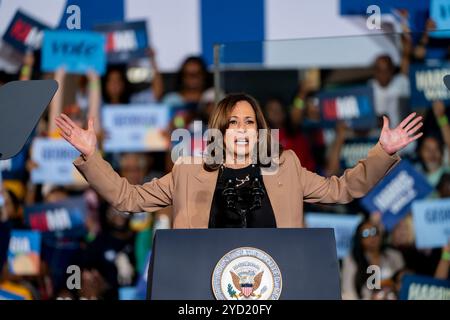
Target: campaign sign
[(54, 159), (354, 150), (344, 228), (440, 13), (124, 40), (24, 32), (394, 194), (7, 295), (353, 105), (24, 252), (427, 84), (431, 222), (14, 168), (76, 51), (424, 288), (135, 128), (58, 217)]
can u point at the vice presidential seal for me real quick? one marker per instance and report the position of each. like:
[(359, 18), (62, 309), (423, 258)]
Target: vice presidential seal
[(246, 274)]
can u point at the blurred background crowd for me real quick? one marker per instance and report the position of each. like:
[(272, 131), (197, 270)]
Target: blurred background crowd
[(112, 248)]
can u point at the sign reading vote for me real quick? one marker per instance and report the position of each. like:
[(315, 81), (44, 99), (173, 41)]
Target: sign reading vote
[(424, 288), (431, 222), (76, 51), (344, 228), (354, 150), (54, 159), (427, 84), (24, 252), (135, 128), (58, 216), (24, 32), (124, 40), (394, 194), (354, 105)]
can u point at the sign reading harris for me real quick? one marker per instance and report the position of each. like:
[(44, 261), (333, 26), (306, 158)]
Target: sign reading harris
[(424, 288), (59, 216), (354, 105), (344, 228), (24, 32), (54, 159), (76, 51), (431, 223), (24, 252), (135, 128), (427, 84), (124, 40), (394, 194)]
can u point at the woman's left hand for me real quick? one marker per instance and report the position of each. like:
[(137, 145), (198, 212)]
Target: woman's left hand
[(393, 140)]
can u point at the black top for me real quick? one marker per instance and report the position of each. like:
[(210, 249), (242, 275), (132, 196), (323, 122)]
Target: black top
[(240, 200)]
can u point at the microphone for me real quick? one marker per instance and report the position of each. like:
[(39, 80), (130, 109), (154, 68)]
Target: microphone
[(257, 192)]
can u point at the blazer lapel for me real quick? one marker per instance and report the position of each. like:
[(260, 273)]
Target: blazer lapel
[(275, 191), (200, 196)]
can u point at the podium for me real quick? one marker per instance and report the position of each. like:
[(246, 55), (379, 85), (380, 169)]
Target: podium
[(244, 264)]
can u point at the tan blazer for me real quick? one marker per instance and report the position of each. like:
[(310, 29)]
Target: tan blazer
[(190, 189)]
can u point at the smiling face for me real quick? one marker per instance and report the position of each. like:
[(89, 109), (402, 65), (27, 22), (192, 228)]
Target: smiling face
[(241, 134)]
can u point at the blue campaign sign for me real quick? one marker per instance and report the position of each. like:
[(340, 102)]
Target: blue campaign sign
[(427, 84), (24, 32), (356, 149), (124, 40), (440, 13), (395, 193), (54, 158), (134, 128), (14, 168), (431, 223), (354, 105), (424, 288), (7, 295), (76, 51), (344, 228), (24, 252), (65, 217)]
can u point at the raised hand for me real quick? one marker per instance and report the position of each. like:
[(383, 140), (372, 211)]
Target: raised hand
[(84, 141), (393, 140)]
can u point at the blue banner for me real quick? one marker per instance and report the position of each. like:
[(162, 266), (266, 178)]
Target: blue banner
[(54, 159), (394, 194), (424, 288), (24, 32), (76, 51), (353, 105), (65, 217), (431, 223), (135, 128), (344, 228), (124, 40), (354, 150), (24, 252), (427, 84)]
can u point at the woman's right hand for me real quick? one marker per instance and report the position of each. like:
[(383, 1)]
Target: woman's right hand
[(84, 141)]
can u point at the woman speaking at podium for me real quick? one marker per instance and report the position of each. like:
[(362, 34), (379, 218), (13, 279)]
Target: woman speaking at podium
[(233, 187)]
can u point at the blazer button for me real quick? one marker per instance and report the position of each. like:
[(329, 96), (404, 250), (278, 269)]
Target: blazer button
[(279, 183)]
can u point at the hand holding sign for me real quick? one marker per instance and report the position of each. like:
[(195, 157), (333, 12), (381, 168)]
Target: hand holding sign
[(84, 141), (393, 140)]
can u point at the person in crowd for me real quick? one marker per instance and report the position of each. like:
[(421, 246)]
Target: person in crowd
[(443, 267), (111, 254), (290, 137), (433, 147), (368, 249), (191, 82)]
